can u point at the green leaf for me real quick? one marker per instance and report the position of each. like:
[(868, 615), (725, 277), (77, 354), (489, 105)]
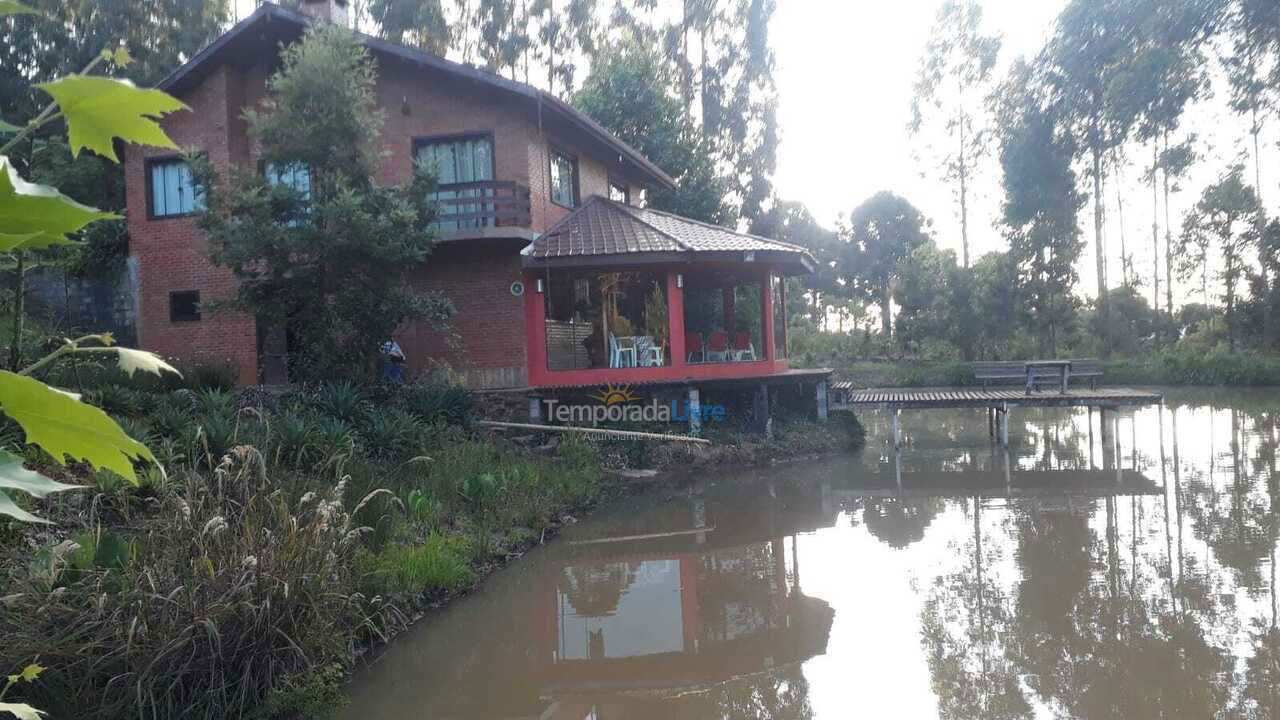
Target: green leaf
[(9, 127), (28, 209), (63, 426), (10, 508), (99, 109), (132, 360), (121, 57), (32, 671), (11, 7), (14, 476)]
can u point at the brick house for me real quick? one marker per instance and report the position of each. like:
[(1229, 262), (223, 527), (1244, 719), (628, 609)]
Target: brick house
[(522, 176)]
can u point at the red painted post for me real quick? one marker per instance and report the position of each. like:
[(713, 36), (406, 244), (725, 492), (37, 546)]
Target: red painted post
[(766, 312), (675, 317), (535, 329)]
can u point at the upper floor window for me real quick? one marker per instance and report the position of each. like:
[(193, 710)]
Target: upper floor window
[(564, 179), (173, 191), (463, 168), (619, 192), (295, 176)]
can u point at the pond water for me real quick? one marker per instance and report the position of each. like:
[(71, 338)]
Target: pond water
[(947, 579)]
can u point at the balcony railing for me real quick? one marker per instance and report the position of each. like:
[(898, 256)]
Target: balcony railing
[(482, 204)]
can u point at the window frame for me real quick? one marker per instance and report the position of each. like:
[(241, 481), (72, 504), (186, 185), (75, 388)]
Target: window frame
[(418, 141), (148, 165), (197, 317), (553, 151), (614, 182)]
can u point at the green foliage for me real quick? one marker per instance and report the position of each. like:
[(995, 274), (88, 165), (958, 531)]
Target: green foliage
[(438, 565), (393, 434), (344, 401), (437, 402), (882, 232), (100, 109), (330, 264)]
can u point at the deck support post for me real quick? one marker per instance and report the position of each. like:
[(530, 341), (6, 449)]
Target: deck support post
[(897, 427), (1107, 419), (820, 392), (760, 420), (991, 423), (1002, 420), (535, 410), (695, 412)]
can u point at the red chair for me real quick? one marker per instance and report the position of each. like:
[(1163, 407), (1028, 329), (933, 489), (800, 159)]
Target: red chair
[(693, 346), (743, 350), (718, 347)]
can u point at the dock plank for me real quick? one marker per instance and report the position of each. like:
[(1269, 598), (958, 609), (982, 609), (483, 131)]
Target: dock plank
[(971, 397)]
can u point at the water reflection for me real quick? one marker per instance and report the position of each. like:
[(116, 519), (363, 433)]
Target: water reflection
[(1125, 570)]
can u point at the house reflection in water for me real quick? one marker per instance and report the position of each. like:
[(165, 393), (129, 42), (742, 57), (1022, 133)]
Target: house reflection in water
[(632, 620)]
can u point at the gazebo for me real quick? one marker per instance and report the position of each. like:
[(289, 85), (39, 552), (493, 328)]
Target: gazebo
[(619, 295)]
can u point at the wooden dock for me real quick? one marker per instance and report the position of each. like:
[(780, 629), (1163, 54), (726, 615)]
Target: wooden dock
[(934, 398), (997, 402)]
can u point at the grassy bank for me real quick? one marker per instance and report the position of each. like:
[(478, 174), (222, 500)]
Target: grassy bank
[(290, 533), (1161, 368)]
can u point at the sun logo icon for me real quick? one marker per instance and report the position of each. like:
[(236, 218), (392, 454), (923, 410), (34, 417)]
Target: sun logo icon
[(616, 395)]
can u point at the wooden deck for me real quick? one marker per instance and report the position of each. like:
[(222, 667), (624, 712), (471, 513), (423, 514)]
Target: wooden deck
[(924, 398)]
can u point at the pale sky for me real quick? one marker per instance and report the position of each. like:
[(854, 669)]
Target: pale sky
[(845, 73)]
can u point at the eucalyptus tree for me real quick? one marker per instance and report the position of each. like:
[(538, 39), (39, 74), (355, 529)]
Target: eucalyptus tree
[(1253, 74), (1091, 44), (1150, 92), (880, 234), (420, 23), (1041, 200), (1225, 219), (951, 90)]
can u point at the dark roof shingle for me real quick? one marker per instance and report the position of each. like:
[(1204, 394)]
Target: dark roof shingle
[(602, 227)]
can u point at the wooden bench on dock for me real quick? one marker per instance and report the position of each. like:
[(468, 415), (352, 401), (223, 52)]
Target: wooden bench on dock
[(1036, 373)]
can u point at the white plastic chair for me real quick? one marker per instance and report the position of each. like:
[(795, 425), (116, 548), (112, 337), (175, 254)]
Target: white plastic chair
[(621, 355)]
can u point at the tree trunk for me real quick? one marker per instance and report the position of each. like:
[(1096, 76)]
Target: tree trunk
[(1126, 273), (1155, 233), (19, 311), (1261, 221), (1168, 240), (886, 317), (1104, 315), (964, 196)]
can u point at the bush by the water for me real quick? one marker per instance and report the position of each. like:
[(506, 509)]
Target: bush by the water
[(289, 531)]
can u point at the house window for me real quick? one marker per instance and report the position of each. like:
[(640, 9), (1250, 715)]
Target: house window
[(462, 166), (184, 306), (564, 179), (173, 190), (619, 192), (295, 176)]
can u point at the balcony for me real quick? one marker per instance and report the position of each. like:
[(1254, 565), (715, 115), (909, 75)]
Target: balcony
[(481, 208)]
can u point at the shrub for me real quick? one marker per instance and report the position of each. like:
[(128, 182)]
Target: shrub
[(210, 376), (234, 592), (393, 434), (432, 402), (342, 401), (437, 565), (215, 401), (114, 400), (171, 418), (293, 434)]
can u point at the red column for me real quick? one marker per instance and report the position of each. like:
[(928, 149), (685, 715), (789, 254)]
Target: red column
[(675, 317), (766, 314), (535, 329), (782, 290)]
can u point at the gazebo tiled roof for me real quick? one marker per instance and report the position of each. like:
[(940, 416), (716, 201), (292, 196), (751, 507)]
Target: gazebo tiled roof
[(605, 232)]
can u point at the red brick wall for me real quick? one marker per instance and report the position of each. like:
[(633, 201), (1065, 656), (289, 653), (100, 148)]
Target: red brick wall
[(486, 342), (475, 274), (172, 253)]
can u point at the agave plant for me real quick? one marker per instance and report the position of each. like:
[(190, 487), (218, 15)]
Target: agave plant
[(342, 401)]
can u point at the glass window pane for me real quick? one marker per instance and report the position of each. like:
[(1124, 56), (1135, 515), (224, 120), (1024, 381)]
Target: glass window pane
[(157, 191), (172, 197)]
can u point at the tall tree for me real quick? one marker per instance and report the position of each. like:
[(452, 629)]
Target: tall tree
[(316, 246), (1041, 202), (951, 92), (1253, 73), (1090, 43), (880, 234), (1226, 217), (420, 23), (630, 91)]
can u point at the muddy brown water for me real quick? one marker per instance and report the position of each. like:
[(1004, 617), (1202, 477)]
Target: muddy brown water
[(948, 579)]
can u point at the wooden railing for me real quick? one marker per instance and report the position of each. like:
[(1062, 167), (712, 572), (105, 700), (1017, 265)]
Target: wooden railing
[(486, 203)]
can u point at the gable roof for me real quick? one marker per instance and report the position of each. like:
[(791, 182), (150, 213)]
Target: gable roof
[(271, 24), (605, 232)]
